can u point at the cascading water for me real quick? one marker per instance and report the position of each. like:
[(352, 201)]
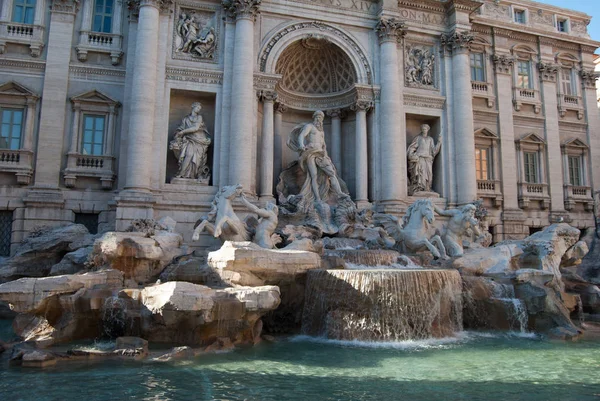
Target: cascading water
[(517, 312), (114, 317), (366, 257), (382, 304)]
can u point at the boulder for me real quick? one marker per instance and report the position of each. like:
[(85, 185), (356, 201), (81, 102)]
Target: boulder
[(245, 263), (72, 262), (192, 269), (38, 359), (141, 258), (494, 260), (43, 249)]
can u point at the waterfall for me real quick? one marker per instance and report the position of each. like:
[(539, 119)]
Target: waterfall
[(383, 304), (516, 311), (114, 320), (366, 257)]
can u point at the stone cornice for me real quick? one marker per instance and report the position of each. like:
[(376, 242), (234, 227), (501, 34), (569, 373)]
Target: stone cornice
[(415, 100), (458, 41), (503, 64), (390, 29), (23, 64), (266, 95), (426, 5), (64, 6), (462, 5), (507, 33), (266, 81), (588, 78), (242, 9), (548, 71)]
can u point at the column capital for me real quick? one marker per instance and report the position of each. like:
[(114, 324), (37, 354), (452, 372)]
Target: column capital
[(267, 95), (134, 6), (64, 6), (503, 64), (548, 71), (280, 108), (361, 105), (588, 79), (457, 41), (390, 29), (241, 9), (336, 113)]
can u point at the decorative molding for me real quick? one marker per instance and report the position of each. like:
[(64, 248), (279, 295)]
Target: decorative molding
[(333, 113), (548, 71), (280, 107), (503, 64), (266, 81), (361, 105), (319, 26), (97, 74), (20, 65), (64, 6), (266, 95), (522, 37), (431, 102), (427, 5), (210, 77), (390, 30), (164, 6), (458, 41), (242, 9)]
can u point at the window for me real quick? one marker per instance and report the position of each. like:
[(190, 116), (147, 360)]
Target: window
[(12, 128), (575, 170), (482, 163), (568, 82), (524, 74), (531, 167), (562, 25), (520, 16), (93, 135), (24, 11), (477, 67), (103, 15)]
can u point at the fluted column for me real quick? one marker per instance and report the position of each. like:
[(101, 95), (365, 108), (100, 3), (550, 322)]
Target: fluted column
[(393, 137), (462, 130), (242, 92), (29, 122), (143, 98), (336, 138), (278, 134), (588, 81), (548, 76), (267, 150), (223, 160), (361, 152)]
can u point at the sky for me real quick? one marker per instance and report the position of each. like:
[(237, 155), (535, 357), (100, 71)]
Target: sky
[(590, 7)]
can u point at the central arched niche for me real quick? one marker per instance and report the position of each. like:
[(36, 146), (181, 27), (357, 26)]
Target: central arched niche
[(315, 66)]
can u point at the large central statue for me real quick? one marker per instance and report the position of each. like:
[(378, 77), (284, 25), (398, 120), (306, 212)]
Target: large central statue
[(420, 155), (308, 140)]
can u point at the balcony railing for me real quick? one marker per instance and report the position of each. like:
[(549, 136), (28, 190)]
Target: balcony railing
[(570, 102), (100, 42), (490, 189), (91, 166), (484, 90), (578, 194), (527, 96), (25, 34), (19, 162), (533, 191)]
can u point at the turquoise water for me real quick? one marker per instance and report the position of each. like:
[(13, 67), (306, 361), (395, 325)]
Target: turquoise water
[(471, 367)]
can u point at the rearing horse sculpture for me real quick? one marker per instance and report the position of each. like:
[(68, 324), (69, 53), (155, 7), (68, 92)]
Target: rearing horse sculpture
[(222, 222), (411, 233)]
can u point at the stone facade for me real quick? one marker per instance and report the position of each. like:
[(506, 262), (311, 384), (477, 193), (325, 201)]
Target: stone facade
[(91, 98)]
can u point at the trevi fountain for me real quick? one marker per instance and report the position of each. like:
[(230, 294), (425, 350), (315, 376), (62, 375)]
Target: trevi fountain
[(309, 297)]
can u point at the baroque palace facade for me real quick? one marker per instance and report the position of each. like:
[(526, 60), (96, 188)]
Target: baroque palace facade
[(95, 95)]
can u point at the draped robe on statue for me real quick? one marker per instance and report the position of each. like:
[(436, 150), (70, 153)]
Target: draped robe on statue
[(191, 149), (420, 155)]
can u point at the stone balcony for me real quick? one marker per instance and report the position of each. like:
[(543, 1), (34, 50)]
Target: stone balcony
[(578, 194), (24, 34), (484, 90), (490, 189), (100, 167), (536, 192), (99, 42), (18, 162), (528, 96), (570, 102)]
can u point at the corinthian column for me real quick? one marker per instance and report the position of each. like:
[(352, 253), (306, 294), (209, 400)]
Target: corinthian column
[(360, 152), (143, 97), (588, 81), (462, 130), (392, 134), (242, 92), (266, 154), (336, 138)]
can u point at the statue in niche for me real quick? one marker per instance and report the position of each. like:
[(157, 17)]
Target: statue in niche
[(420, 64), (195, 39), (311, 186), (420, 155), (460, 227), (190, 146)]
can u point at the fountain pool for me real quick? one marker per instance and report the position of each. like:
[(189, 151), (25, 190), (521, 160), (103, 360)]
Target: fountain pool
[(473, 367)]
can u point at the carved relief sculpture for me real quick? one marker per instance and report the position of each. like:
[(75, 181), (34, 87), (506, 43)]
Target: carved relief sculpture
[(420, 65), (195, 34), (420, 155), (190, 146)]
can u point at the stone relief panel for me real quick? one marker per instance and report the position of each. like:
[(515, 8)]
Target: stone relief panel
[(195, 35), (496, 11), (419, 66)]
